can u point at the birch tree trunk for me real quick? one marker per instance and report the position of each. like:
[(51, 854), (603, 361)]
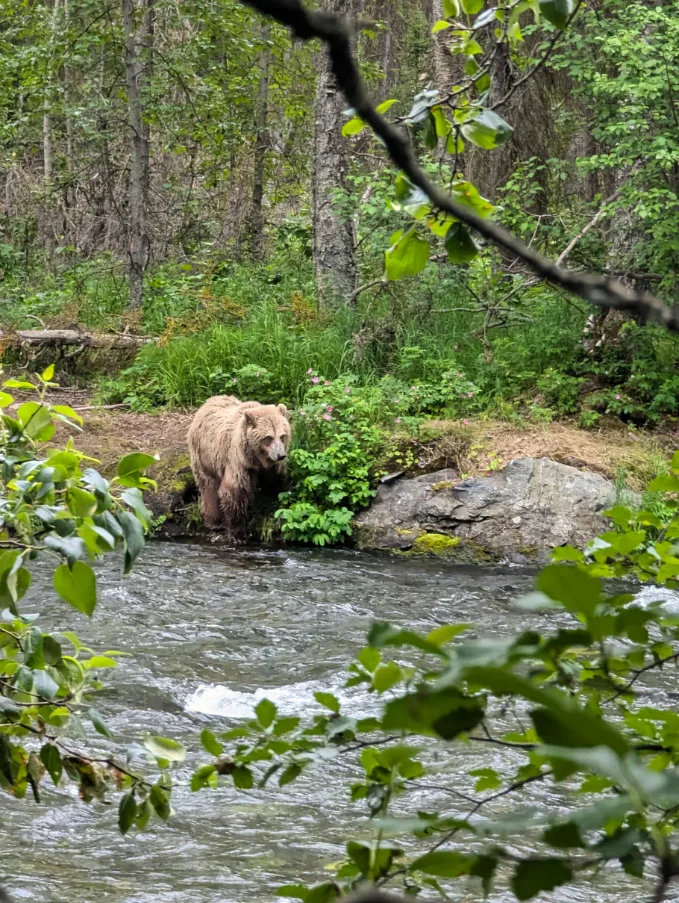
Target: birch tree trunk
[(138, 236), (333, 238), (255, 225), (47, 143)]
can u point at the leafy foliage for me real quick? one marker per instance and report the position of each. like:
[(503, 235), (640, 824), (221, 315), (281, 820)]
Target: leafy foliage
[(55, 507)]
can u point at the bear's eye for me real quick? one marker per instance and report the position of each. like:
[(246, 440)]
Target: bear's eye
[(269, 439)]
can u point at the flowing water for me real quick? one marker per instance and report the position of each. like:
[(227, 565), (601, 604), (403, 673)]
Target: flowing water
[(209, 632)]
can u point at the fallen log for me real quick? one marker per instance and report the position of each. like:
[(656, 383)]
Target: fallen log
[(54, 338)]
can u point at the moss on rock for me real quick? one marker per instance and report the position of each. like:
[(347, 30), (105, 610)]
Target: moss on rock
[(434, 544)]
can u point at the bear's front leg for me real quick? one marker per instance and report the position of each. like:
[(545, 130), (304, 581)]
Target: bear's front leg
[(209, 500), (234, 497)]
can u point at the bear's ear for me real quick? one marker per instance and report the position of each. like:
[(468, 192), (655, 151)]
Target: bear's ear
[(250, 418), (284, 411)]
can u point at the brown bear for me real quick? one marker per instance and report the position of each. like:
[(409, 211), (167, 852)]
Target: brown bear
[(230, 443)]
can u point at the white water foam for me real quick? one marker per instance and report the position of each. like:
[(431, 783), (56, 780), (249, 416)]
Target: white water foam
[(293, 699), (650, 594)]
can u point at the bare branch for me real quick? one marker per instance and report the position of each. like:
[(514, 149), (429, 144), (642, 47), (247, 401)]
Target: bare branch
[(335, 33), (590, 225)]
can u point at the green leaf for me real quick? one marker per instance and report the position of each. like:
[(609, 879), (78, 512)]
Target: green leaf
[(99, 724), (160, 801), (81, 503), (266, 712), (441, 25), (51, 759), (488, 779), (134, 464), (51, 650), (328, 701), (471, 7), (483, 867), (535, 875), (35, 420), (77, 585), (65, 411), (451, 9), (407, 257), (242, 777), (45, 685), (633, 863), (564, 836), (134, 537), (385, 105), (386, 677), (439, 636), (211, 743), (576, 590), (557, 11), (33, 649), (284, 726), (443, 864), (567, 553), (292, 772), (460, 246), (164, 748), (384, 634), (48, 373), (487, 129), (293, 891), (143, 814), (447, 713), (369, 658), (5, 400), (127, 812), (352, 127)]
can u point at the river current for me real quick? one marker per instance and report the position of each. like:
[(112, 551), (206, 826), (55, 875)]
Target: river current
[(209, 632)]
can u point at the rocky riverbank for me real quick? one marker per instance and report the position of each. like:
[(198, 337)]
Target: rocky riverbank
[(472, 492)]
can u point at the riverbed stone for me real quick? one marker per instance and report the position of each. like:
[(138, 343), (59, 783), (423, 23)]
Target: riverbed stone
[(518, 513)]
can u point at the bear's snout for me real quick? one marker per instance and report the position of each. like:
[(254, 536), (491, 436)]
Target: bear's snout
[(278, 451)]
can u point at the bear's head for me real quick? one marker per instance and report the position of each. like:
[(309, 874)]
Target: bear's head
[(268, 433)]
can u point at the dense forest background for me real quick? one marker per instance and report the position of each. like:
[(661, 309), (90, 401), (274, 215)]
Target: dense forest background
[(180, 170)]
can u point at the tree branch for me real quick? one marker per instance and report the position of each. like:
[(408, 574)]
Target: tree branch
[(335, 33)]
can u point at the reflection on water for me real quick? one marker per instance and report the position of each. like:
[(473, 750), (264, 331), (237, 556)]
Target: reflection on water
[(210, 633)]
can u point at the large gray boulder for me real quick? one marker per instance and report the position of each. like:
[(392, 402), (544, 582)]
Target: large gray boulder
[(518, 513)]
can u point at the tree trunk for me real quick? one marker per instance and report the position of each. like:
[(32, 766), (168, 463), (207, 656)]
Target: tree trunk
[(333, 239), (47, 144), (255, 224), (138, 237)]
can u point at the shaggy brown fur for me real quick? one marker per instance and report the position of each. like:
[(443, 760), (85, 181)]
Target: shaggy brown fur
[(230, 441)]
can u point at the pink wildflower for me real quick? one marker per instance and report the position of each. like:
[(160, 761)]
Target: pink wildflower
[(302, 413), (348, 390), (326, 383), (459, 374), (466, 422), (470, 394), (329, 409), (398, 420), (617, 398), (327, 417), (413, 388), (310, 371), (315, 379)]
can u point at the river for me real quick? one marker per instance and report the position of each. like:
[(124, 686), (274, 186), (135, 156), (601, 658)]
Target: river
[(209, 632)]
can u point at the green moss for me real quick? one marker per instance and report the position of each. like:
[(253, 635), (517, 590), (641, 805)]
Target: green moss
[(401, 531), (434, 544), (173, 473), (444, 484)]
